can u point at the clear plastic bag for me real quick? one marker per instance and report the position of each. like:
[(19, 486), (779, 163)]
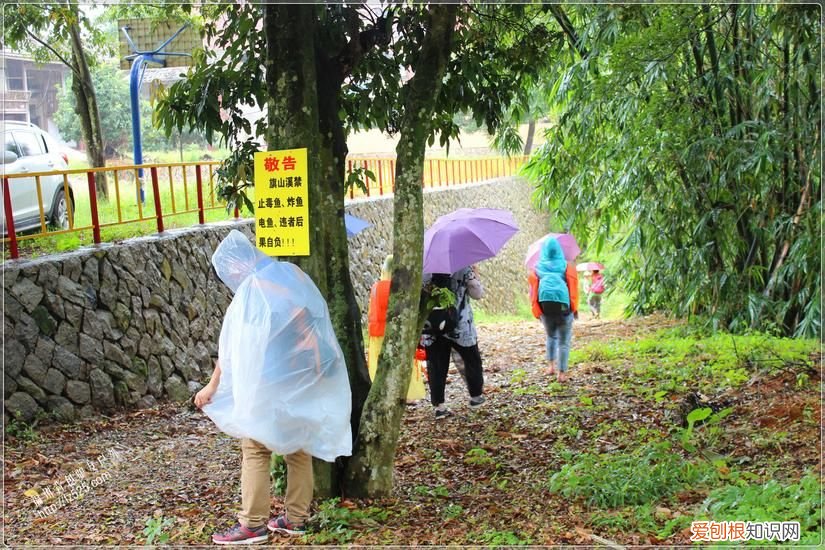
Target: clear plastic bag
[(283, 381)]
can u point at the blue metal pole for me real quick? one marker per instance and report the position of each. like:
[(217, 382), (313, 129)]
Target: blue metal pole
[(134, 92)]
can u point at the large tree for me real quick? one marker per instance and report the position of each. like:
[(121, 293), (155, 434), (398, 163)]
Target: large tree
[(371, 467), (305, 70), (59, 31), (308, 52), (330, 69), (470, 58), (693, 132)]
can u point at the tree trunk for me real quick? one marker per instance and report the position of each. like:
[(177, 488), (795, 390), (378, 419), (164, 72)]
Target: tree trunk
[(786, 246), (303, 112), (292, 111), (531, 131), (87, 110), (370, 471), (343, 305), (736, 104), (714, 68), (568, 28)]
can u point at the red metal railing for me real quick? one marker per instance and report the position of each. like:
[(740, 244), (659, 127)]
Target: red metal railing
[(9, 219), (127, 203)]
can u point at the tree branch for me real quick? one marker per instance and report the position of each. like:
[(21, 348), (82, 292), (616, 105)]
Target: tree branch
[(803, 201), (360, 42), (54, 52), (569, 30)]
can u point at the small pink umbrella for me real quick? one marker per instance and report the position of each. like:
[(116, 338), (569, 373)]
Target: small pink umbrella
[(590, 266), (568, 246)]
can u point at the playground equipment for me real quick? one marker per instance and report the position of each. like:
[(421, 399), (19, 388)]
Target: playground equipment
[(140, 59)]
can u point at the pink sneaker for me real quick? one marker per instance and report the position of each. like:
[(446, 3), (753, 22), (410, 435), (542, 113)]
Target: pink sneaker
[(283, 526), (238, 534)]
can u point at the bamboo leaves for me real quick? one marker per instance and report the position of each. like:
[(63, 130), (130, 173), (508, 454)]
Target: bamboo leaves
[(701, 125)]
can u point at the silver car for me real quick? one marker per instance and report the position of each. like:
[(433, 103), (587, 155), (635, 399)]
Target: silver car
[(28, 149)]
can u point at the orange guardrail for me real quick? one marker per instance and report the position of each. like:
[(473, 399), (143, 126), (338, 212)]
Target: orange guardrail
[(437, 172), (188, 188)]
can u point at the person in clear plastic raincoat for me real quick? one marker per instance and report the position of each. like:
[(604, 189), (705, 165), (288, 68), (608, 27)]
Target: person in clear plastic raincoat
[(280, 385)]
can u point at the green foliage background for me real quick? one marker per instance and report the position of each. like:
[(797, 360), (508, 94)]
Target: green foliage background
[(112, 87), (692, 133)]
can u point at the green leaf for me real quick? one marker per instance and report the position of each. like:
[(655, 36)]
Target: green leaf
[(697, 415)]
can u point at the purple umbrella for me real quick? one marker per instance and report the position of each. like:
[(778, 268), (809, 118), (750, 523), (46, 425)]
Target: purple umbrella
[(466, 236), (568, 246)]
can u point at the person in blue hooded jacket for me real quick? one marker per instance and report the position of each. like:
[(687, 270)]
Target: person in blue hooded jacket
[(558, 283)]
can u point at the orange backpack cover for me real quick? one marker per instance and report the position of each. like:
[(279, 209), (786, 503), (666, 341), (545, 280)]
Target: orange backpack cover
[(377, 313)]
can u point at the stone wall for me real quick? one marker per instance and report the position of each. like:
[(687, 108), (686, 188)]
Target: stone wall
[(121, 325), (114, 326)]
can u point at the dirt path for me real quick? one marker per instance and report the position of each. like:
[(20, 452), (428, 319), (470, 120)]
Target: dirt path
[(479, 477)]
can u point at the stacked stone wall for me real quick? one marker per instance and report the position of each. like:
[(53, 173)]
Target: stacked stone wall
[(122, 325)]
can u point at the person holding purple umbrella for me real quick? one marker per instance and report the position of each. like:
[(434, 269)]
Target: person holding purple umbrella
[(558, 300), (462, 338)]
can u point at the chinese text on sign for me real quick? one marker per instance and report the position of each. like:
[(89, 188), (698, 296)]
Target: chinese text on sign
[(281, 202)]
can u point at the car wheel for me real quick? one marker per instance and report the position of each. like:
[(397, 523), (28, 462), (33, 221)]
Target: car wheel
[(60, 211)]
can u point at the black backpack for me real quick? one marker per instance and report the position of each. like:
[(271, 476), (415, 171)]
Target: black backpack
[(442, 320)]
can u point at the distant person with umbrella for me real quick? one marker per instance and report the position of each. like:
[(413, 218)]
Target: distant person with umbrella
[(558, 289), (594, 293), (594, 288)]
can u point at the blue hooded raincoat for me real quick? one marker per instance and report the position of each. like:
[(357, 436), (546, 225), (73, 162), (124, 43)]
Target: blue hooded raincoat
[(551, 269)]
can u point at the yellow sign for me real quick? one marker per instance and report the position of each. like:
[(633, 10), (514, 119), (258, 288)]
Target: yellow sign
[(282, 209)]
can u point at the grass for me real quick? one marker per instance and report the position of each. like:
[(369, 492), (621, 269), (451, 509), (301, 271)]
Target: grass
[(639, 488), (191, 153), (22, 430), (642, 476), (674, 359), (645, 518), (500, 538), (155, 530), (479, 457), (522, 312), (336, 523), (614, 304), (771, 501), (277, 472)]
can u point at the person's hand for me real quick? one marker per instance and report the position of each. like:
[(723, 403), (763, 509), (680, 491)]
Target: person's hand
[(204, 397), (576, 315)]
